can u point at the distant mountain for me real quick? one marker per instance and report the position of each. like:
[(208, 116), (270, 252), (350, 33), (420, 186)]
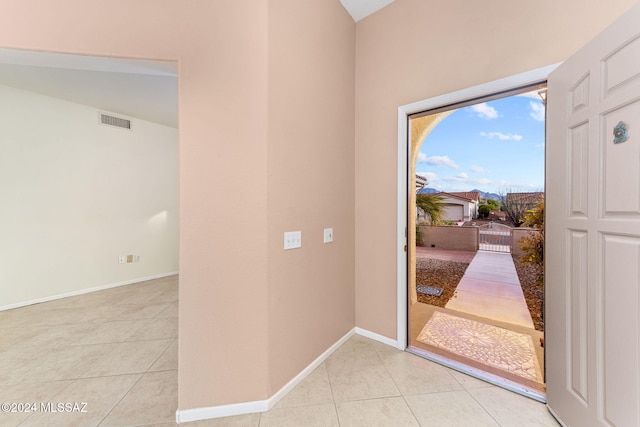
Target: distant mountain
[(428, 190), (483, 194)]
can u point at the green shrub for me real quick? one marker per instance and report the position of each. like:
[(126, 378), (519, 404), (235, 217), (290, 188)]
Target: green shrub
[(533, 243)]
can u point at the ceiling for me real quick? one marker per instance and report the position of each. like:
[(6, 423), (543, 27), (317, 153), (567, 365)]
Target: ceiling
[(142, 89), (360, 9)]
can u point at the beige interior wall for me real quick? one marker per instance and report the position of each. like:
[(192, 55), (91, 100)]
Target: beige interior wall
[(266, 129), (413, 50), (221, 47), (311, 181), (74, 199), (238, 157)]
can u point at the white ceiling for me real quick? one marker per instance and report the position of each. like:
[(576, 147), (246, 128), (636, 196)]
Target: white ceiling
[(360, 9), (146, 90), (142, 89)]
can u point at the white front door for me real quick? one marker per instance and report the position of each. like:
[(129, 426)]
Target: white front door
[(592, 317)]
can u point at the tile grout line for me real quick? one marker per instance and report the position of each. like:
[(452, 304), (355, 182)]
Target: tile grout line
[(121, 399), (159, 356), (333, 397), (483, 408), (402, 395)]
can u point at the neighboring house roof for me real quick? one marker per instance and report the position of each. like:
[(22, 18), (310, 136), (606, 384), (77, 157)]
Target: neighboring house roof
[(528, 198), (498, 214), (472, 196)]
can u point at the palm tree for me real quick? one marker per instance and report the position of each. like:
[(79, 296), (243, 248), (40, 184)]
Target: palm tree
[(431, 206)]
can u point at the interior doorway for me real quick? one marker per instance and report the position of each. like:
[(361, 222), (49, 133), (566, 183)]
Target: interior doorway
[(90, 150), (452, 319)]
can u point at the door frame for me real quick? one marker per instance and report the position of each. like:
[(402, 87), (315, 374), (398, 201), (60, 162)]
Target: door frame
[(404, 111)]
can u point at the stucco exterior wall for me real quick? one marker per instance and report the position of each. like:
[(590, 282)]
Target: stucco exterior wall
[(516, 235), (413, 50), (451, 238)]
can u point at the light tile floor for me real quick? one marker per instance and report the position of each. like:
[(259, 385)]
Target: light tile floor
[(117, 351)]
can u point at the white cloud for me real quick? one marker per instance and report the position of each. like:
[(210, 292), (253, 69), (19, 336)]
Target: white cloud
[(485, 111), (477, 169), (537, 111), (502, 136), (483, 181), (437, 161), (461, 177), (431, 177)]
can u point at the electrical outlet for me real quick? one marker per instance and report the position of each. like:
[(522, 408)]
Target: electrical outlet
[(328, 235), (129, 258), (122, 259), (136, 258), (292, 239)]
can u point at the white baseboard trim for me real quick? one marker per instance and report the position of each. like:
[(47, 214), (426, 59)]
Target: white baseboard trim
[(306, 371), (211, 412), (377, 337), (86, 291), (197, 414)]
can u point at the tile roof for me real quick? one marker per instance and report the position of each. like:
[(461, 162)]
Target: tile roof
[(528, 198), (474, 196)]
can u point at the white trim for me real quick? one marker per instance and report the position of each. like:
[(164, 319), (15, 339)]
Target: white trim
[(211, 412), (403, 185), (506, 83), (377, 337), (404, 111), (86, 291), (306, 371), (481, 375), (196, 414)]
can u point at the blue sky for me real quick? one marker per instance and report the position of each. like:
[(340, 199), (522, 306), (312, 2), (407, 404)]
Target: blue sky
[(492, 146)]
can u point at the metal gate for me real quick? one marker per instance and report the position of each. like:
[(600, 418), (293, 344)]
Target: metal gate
[(494, 237)]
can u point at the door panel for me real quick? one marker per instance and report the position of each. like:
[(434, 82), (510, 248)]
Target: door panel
[(592, 315), (578, 314), (620, 180), (619, 70), (578, 169), (619, 326)]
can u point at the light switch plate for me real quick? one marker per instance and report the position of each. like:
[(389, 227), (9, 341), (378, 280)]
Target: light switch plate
[(292, 239), (328, 235)]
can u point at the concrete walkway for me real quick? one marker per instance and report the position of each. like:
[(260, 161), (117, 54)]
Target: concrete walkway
[(490, 288)]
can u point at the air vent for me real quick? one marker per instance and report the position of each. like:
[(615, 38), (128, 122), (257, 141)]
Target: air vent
[(106, 119)]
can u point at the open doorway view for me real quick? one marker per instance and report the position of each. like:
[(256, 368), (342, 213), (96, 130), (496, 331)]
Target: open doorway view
[(89, 295), (476, 235)]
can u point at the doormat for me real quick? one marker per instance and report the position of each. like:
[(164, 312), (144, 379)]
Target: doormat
[(496, 347), (429, 290)]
